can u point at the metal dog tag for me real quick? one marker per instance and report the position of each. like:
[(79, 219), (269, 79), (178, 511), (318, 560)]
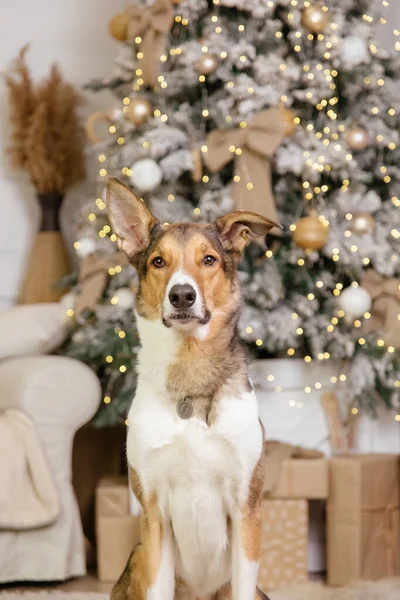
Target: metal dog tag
[(185, 408)]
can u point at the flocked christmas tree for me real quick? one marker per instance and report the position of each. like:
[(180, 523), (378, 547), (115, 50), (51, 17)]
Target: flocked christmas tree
[(285, 107)]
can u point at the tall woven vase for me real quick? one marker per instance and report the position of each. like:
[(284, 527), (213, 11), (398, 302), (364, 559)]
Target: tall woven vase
[(48, 261)]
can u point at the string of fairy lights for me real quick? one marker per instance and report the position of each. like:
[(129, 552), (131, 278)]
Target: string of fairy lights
[(327, 135)]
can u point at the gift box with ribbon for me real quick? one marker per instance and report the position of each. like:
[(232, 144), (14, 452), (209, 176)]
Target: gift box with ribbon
[(363, 533)]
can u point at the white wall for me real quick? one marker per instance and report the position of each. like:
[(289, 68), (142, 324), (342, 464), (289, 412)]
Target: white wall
[(73, 33)]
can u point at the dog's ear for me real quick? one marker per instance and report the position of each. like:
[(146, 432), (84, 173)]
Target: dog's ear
[(130, 219), (237, 229)]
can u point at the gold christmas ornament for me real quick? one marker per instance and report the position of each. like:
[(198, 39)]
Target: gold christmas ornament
[(118, 27), (207, 64), (139, 111), (310, 233), (363, 223), (176, 1), (288, 117), (315, 19), (357, 139)]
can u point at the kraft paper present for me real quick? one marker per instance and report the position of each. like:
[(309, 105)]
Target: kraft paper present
[(363, 518), (283, 559), (302, 478), (116, 538), (294, 472), (112, 497), (117, 531)]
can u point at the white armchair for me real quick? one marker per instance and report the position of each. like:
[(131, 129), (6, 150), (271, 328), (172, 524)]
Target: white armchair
[(60, 395)]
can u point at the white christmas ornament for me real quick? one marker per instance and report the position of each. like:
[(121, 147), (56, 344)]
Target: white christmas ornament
[(355, 301), (68, 301), (125, 298), (85, 246), (354, 51), (146, 175)]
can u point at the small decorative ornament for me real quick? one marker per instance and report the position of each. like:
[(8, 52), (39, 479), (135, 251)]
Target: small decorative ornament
[(355, 301), (146, 175), (118, 27), (363, 222), (207, 64), (357, 139), (139, 110), (315, 19), (354, 51), (85, 246), (125, 298), (310, 233), (185, 408), (106, 119)]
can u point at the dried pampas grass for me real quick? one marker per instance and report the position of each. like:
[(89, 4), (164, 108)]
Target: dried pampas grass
[(47, 139)]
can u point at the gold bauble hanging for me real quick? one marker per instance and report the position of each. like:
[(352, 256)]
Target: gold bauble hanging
[(139, 111), (315, 19), (118, 27), (363, 222), (207, 64), (310, 233), (288, 117), (357, 139)]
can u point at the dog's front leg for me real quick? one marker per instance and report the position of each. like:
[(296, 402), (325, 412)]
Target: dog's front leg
[(246, 536), (158, 542)]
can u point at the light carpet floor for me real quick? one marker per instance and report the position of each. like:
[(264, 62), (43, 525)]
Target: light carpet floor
[(382, 590)]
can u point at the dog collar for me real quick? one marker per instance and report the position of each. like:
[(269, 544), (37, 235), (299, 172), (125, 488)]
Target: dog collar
[(185, 408)]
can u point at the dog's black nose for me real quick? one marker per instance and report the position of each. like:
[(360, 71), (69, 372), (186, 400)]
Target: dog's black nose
[(182, 296)]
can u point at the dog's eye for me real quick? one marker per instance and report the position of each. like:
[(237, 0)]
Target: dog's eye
[(209, 260), (158, 262)]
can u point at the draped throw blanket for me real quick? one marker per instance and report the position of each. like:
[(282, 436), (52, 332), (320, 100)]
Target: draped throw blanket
[(28, 496)]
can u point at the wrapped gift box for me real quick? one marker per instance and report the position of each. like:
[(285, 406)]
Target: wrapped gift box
[(305, 476), (283, 559), (302, 478), (117, 531), (363, 534)]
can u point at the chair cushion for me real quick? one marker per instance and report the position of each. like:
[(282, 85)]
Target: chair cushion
[(32, 329)]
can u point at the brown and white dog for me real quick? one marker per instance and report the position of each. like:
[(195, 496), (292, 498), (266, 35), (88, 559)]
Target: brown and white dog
[(195, 441)]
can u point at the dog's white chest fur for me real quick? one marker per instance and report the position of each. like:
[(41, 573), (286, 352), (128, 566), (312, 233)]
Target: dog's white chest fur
[(199, 473)]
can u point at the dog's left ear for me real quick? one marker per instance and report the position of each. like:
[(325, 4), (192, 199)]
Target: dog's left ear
[(131, 220), (237, 229)]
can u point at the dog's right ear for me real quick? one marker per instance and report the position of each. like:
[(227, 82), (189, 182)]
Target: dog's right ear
[(130, 219)]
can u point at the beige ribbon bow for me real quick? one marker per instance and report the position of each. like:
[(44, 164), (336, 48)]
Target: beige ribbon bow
[(93, 277), (252, 148), (152, 24), (385, 294)]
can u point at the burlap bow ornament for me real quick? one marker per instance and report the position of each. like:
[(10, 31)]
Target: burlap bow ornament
[(385, 294), (93, 275), (252, 148), (152, 24)]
